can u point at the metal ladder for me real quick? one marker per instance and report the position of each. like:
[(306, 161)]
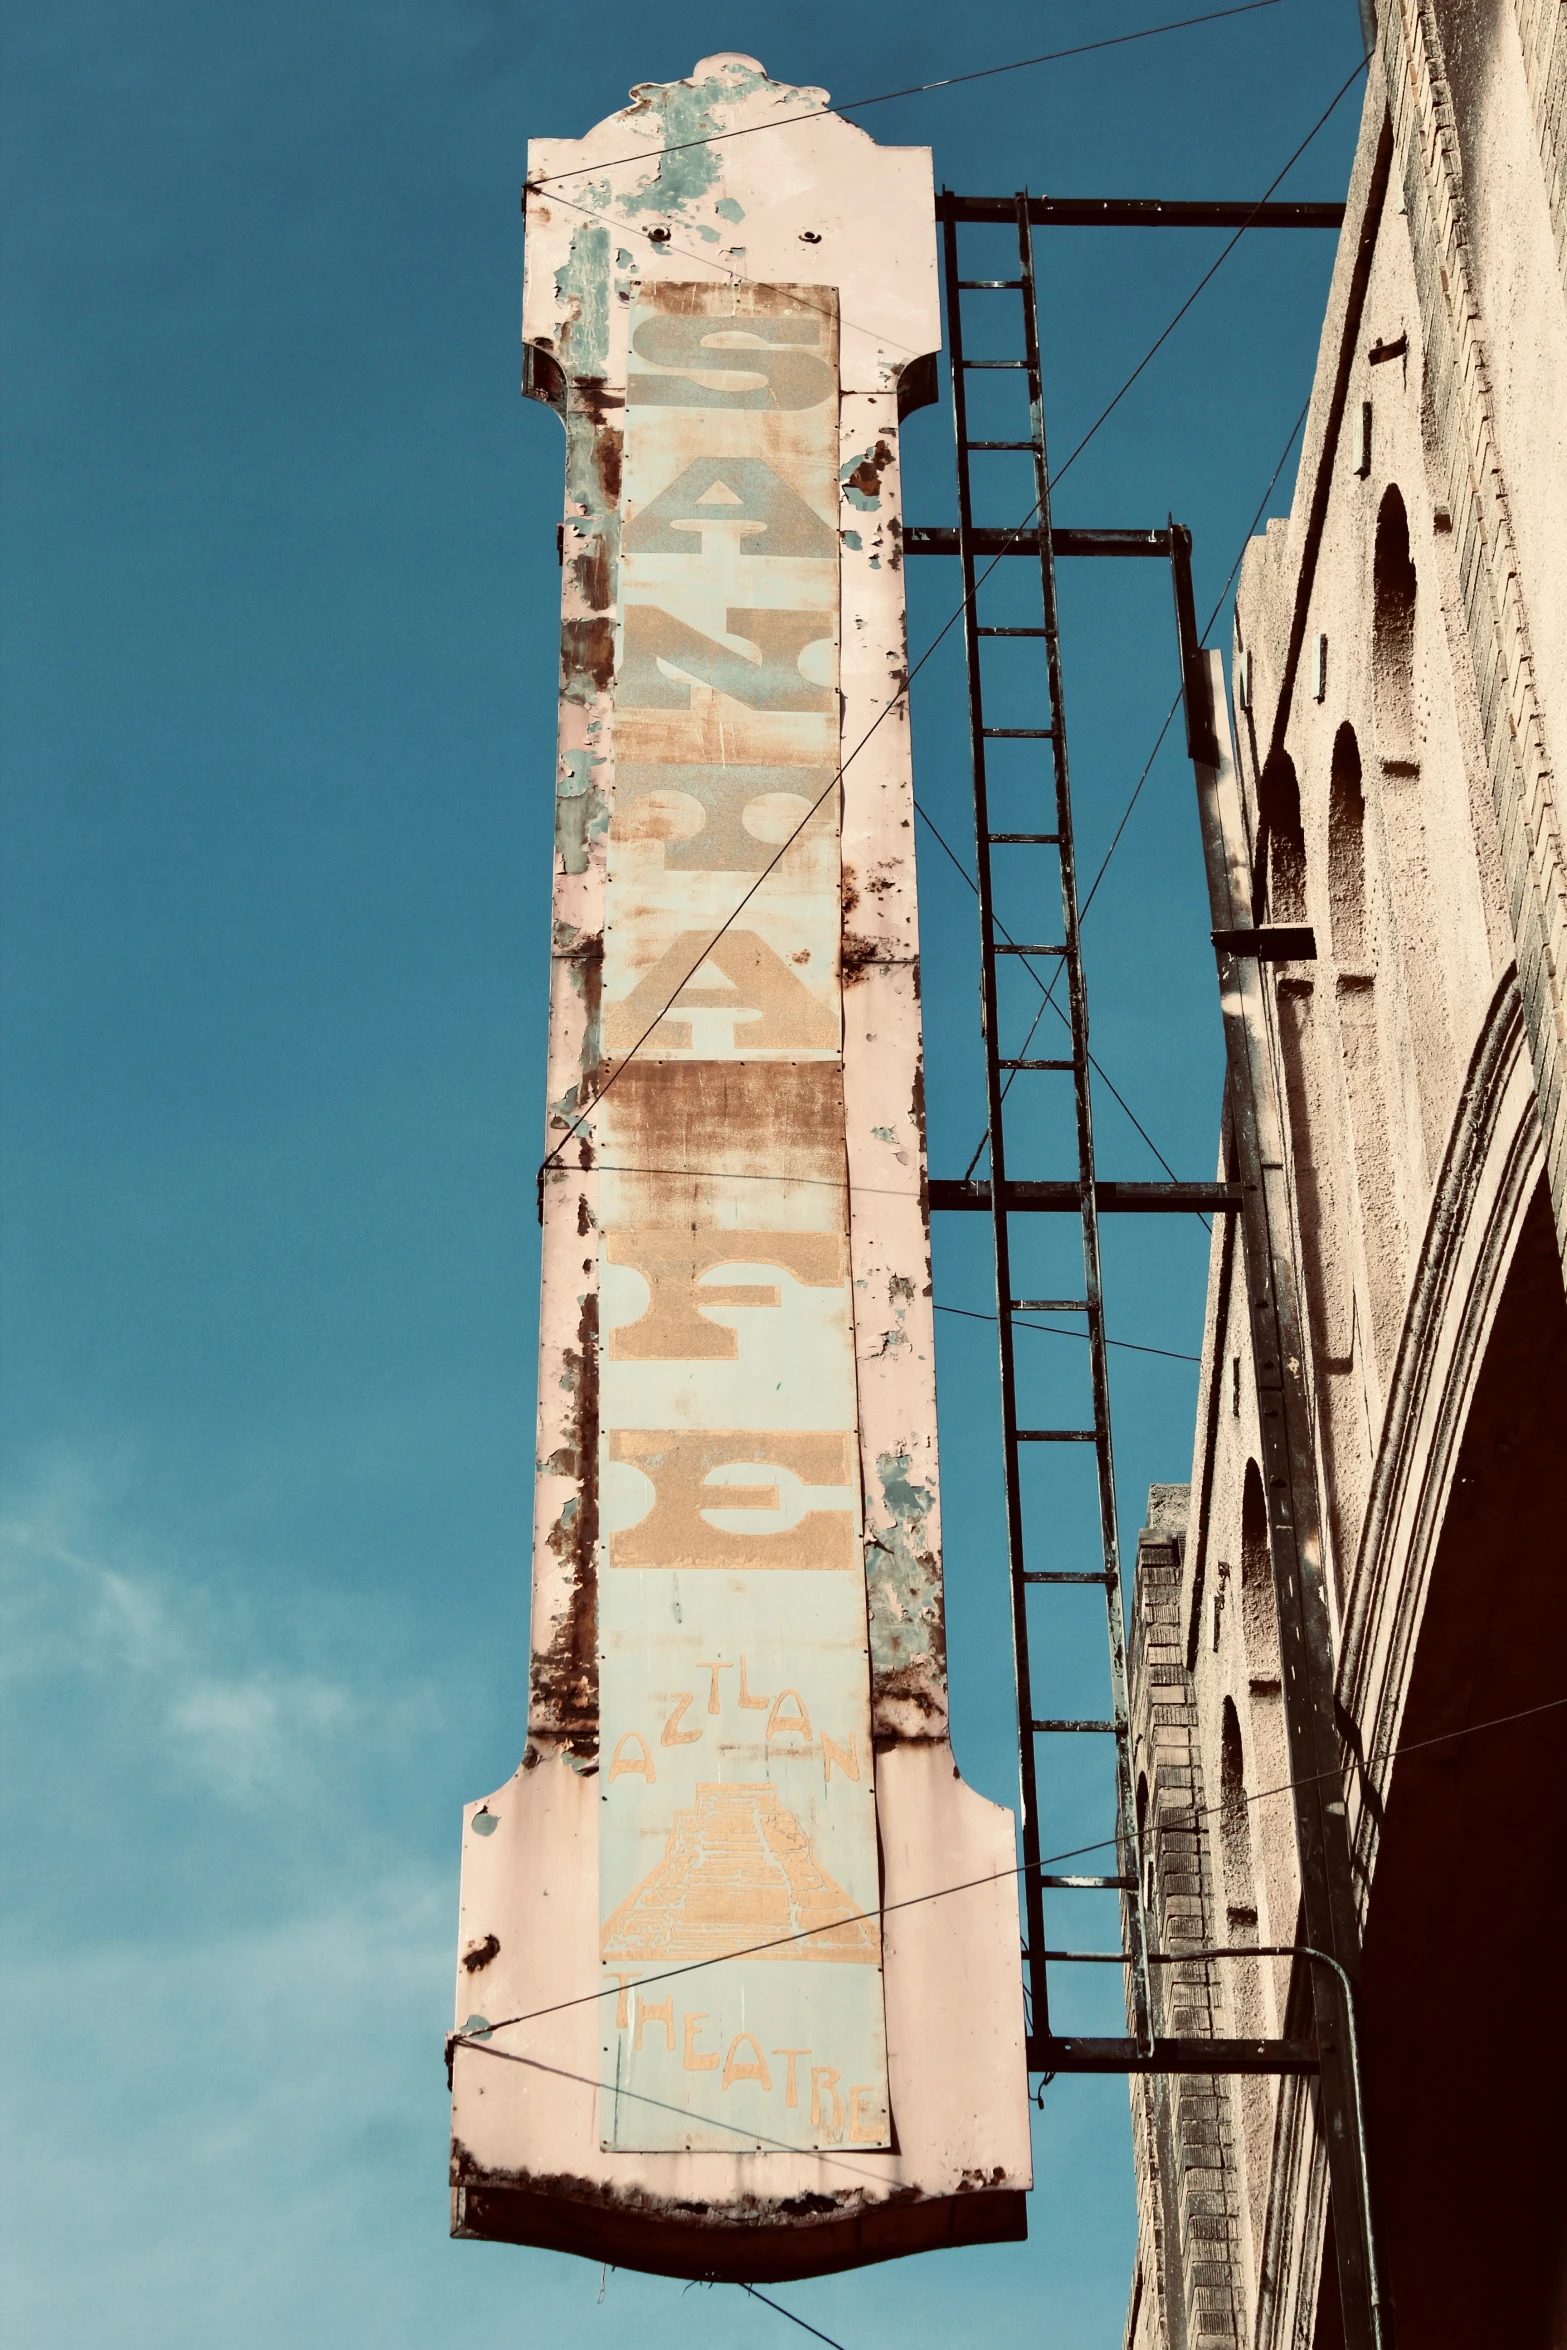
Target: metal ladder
[(1063, 953)]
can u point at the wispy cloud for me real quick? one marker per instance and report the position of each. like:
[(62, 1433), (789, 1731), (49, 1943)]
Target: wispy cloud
[(86, 1601)]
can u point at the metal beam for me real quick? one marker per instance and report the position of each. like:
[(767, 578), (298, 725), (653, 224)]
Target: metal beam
[(1276, 942), (1047, 2054), (1137, 212), (923, 539), (1065, 1199)]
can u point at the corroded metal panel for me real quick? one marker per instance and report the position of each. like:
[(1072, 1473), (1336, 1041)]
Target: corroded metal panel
[(719, 2011)]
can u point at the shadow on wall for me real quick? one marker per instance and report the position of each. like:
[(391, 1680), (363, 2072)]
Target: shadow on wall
[(1468, 2072), (1393, 639)]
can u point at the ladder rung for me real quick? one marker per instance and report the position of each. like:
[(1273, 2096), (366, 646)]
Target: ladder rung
[(994, 363), (1036, 1064), (1050, 1305), (1027, 840), (1011, 632), (1088, 1884), (1019, 734), (998, 445), (1009, 949), (990, 285), (1109, 1727), (1062, 1575), (1087, 1957), (1056, 1436)]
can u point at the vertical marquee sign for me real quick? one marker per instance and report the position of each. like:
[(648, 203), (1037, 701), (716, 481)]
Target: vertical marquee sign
[(737, 1806), (710, 2019)]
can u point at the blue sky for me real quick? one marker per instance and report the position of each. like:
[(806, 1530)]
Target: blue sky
[(279, 661)]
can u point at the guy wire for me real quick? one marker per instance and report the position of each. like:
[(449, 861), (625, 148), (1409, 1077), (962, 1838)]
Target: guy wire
[(916, 90), (996, 1877), (902, 694)]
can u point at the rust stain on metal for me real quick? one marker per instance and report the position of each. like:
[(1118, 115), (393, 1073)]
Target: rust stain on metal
[(742, 2212), (587, 656), (863, 481), (856, 956), (599, 406), (592, 572), (565, 1675)]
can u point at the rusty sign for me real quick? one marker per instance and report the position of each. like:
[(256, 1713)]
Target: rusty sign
[(737, 1821), (717, 2011)]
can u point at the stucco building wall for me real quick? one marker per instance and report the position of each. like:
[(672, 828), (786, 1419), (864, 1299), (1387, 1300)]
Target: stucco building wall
[(1398, 675)]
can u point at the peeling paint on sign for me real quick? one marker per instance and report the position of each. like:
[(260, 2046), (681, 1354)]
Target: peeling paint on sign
[(736, 2021), (738, 1816)]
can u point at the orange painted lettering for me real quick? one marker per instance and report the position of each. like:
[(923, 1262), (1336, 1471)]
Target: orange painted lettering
[(864, 2128), (757, 2070), (696, 2060), (791, 2082), (621, 1761), (832, 1753), (713, 1670), (795, 1725), (824, 2086), (673, 1735), (656, 2011)]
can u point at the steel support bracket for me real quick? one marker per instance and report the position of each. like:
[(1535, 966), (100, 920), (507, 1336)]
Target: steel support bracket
[(1185, 2055)]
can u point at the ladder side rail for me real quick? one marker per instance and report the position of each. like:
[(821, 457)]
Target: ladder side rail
[(1289, 1453), (1033, 1894), (1077, 994)]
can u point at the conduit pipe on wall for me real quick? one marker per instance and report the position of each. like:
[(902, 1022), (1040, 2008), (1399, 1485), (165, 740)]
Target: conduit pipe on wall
[(1352, 2037)]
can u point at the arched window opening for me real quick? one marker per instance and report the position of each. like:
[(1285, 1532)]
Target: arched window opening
[(1255, 1556), (1393, 638), (1145, 1846), (1347, 851), (1240, 1893), (1259, 1616), (1283, 842)]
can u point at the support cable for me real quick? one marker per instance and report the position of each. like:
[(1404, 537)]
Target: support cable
[(790, 2315), (1059, 1330), (479, 2037), (915, 90), (942, 843), (1208, 275), (1049, 993)]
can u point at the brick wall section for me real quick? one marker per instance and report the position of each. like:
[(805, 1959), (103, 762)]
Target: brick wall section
[(1523, 788), (1190, 2191)]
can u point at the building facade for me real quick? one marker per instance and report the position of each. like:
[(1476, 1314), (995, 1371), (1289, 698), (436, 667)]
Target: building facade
[(1400, 711)]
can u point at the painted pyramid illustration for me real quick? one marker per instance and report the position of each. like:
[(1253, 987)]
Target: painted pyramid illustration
[(739, 1870)]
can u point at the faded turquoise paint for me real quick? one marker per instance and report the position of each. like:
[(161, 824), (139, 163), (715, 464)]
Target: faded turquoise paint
[(581, 808), (903, 1574), (853, 540), (585, 286), (585, 281), (685, 112), (727, 209)]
